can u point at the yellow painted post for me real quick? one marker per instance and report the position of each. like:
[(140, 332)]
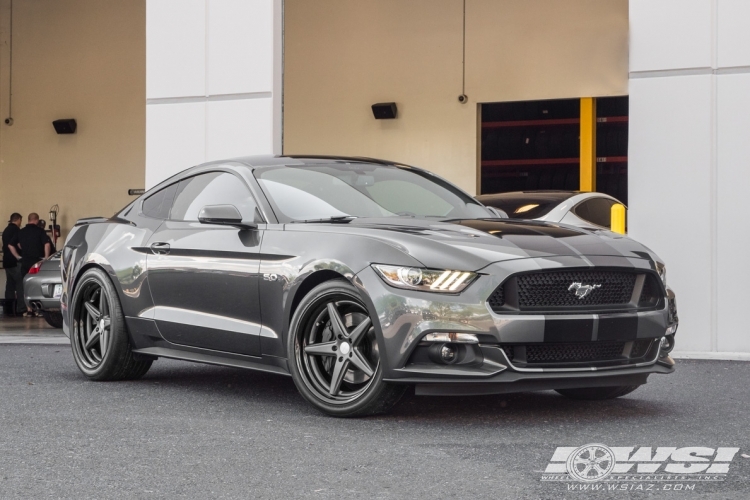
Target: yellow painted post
[(588, 144), (618, 213)]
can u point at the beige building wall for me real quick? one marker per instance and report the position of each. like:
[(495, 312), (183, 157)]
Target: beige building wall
[(341, 56), (82, 59)]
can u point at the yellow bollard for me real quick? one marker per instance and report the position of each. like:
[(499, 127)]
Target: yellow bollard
[(618, 218)]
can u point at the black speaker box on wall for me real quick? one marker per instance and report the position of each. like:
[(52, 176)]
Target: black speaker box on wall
[(384, 110), (65, 126)]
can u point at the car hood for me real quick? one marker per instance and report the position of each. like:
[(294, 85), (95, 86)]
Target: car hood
[(472, 244)]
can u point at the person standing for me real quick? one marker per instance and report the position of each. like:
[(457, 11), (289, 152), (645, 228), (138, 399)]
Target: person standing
[(29, 246), (13, 278), (43, 224)]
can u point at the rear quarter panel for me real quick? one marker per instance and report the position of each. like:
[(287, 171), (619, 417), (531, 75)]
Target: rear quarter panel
[(119, 249)]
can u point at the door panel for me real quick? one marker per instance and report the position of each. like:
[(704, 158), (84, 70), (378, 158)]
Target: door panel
[(205, 297), (204, 277)]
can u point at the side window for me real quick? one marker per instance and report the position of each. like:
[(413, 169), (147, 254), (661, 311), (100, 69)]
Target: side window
[(215, 188), (596, 211), (158, 204)]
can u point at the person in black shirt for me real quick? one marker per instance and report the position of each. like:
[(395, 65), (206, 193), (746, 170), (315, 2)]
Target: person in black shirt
[(13, 278), (43, 224), (29, 246)]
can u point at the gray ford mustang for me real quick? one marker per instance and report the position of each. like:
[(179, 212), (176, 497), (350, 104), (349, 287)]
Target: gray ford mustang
[(358, 278)]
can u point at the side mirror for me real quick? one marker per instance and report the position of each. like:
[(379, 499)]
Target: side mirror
[(224, 215), (500, 214)]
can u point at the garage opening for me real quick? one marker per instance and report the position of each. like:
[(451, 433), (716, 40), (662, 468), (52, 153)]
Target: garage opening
[(535, 145)]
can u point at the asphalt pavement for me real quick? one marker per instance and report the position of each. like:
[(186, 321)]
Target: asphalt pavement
[(196, 431)]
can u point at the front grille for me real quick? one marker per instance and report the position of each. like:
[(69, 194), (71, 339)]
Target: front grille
[(553, 289), (509, 351), (579, 352), (497, 299), (577, 290), (567, 353)]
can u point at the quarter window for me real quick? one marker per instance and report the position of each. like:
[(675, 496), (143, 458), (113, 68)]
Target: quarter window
[(157, 205), (214, 188)]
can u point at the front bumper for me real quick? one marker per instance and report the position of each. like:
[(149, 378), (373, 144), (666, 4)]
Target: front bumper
[(405, 317)]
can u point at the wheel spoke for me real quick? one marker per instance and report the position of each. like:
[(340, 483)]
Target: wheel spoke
[(107, 321), (336, 322), (360, 362), (359, 333), (322, 349), (90, 323), (103, 339), (93, 338), (339, 370), (93, 311), (102, 302)]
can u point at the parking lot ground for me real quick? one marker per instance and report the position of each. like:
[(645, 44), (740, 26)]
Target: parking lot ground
[(196, 431)]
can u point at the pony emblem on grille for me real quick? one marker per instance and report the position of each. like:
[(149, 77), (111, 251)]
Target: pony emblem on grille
[(582, 290)]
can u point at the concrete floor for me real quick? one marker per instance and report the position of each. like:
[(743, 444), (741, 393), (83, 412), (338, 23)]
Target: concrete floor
[(29, 331), (198, 431)]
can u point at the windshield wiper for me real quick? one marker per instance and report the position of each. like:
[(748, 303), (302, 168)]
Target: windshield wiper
[(336, 219)]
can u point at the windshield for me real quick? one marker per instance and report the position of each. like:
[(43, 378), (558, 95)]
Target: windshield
[(310, 192)]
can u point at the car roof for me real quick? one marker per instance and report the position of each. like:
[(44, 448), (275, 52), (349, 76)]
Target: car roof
[(260, 161), (298, 160), (544, 196)]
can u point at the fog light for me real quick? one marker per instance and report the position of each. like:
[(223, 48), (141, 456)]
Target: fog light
[(448, 353), (667, 344), (445, 354), (460, 338)]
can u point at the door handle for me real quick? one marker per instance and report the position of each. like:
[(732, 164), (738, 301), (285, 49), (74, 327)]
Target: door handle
[(160, 248)]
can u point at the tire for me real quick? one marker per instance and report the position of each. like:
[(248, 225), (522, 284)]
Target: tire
[(99, 338), (598, 393), (321, 345), (53, 318)]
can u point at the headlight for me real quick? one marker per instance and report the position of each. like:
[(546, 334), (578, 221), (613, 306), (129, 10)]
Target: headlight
[(662, 270), (427, 280)]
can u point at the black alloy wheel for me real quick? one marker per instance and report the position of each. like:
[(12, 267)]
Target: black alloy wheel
[(334, 351), (92, 334), (98, 337)]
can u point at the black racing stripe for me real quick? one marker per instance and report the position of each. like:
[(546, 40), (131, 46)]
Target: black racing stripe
[(620, 327), (610, 261), (568, 330), (221, 254), (535, 245)]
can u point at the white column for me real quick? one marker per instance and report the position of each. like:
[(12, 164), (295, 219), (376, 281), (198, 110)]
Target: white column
[(213, 82), (688, 160)]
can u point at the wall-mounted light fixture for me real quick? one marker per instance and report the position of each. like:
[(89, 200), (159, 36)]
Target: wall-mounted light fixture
[(65, 126), (384, 110)]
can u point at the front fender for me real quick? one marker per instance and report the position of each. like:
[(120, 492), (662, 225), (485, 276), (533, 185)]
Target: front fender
[(292, 265)]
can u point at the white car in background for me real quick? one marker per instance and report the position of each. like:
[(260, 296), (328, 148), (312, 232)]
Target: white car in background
[(591, 210)]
